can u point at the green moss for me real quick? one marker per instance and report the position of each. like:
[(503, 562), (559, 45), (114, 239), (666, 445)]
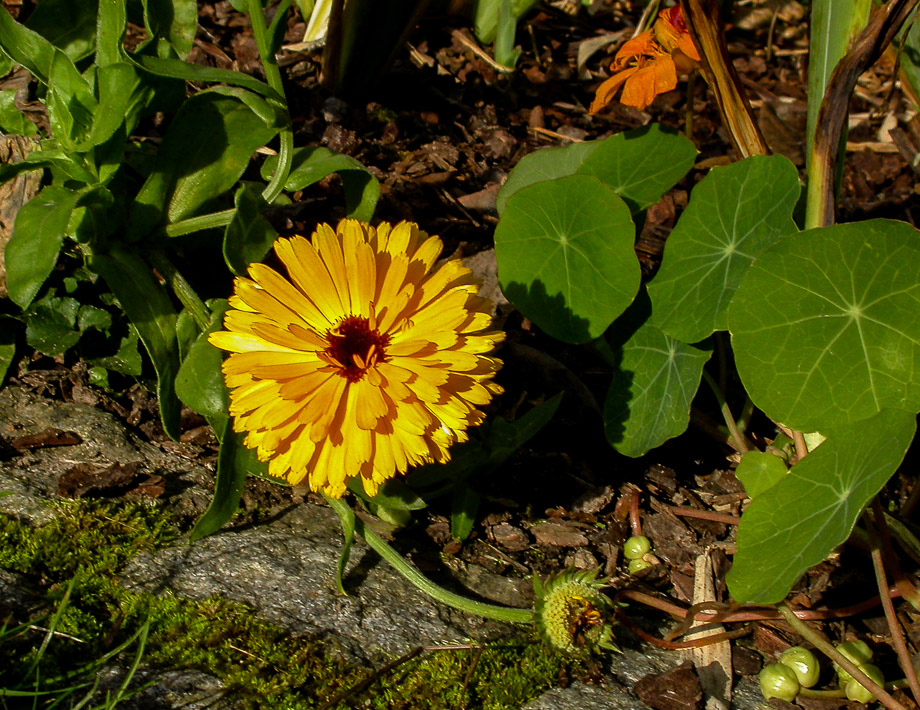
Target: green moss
[(260, 664)]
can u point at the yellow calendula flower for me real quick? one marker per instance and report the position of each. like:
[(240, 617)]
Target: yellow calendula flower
[(363, 361)]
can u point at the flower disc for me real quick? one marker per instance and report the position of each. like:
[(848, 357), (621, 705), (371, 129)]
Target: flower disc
[(363, 361)]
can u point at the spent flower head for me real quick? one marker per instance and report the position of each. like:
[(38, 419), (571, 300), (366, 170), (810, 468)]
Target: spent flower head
[(363, 361), (572, 612)]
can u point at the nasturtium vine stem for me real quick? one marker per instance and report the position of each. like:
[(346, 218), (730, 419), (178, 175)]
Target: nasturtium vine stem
[(273, 77), (737, 438), (399, 563), (881, 544), (819, 642)]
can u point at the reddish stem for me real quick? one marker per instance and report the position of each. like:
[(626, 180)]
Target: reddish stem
[(635, 521), (687, 512), (751, 613), (881, 545), (677, 645)]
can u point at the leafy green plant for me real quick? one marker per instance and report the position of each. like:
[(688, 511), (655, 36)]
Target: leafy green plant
[(117, 211), (822, 323)]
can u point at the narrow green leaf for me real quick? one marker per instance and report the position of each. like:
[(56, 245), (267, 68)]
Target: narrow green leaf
[(463, 508), (505, 52), (825, 328), (566, 258), (498, 440), (759, 471), (51, 325), (200, 382), (311, 164), (503, 438), (111, 23), (69, 26), (57, 159), (394, 494), (117, 86), (249, 236), (177, 69), (795, 524), (12, 120), (37, 237), (347, 520), (654, 382), (71, 105), (232, 465), (174, 22), (910, 58), (28, 48), (734, 213), (127, 360), (642, 164), (150, 310), (205, 151), (7, 346), (541, 165), (834, 24)]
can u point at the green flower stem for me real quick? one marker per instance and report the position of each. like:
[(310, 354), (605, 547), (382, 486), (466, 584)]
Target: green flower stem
[(737, 438), (273, 77), (812, 693), (183, 290), (819, 191), (819, 642), (382, 548), (202, 222)]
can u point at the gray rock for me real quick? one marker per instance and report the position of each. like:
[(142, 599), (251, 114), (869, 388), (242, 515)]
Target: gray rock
[(31, 479), (286, 569), (165, 690)]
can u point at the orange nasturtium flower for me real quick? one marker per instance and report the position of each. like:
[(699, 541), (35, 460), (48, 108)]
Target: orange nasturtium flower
[(650, 63), (363, 361)]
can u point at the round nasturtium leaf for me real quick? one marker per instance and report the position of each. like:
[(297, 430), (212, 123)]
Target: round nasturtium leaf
[(734, 213), (565, 256), (653, 385), (826, 324), (759, 471), (795, 523), (541, 165)]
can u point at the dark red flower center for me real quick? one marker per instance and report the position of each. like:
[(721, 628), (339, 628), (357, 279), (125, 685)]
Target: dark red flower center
[(356, 347)]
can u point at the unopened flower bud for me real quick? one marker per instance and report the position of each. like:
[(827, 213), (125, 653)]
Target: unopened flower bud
[(856, 691), (779, 681), (803, 663), (636, 547)]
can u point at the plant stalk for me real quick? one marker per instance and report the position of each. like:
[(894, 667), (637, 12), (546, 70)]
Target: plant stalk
[(737, 438), (819, 642), (399, 563), (273, 77), (881, 542)]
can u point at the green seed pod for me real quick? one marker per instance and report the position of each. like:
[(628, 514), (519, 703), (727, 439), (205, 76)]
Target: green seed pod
[(857, 692), (636, 547), (636, 566), (857, 652), (778, 681), (803, 663)]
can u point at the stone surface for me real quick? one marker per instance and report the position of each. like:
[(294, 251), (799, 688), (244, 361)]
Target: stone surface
[(283, 568)]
